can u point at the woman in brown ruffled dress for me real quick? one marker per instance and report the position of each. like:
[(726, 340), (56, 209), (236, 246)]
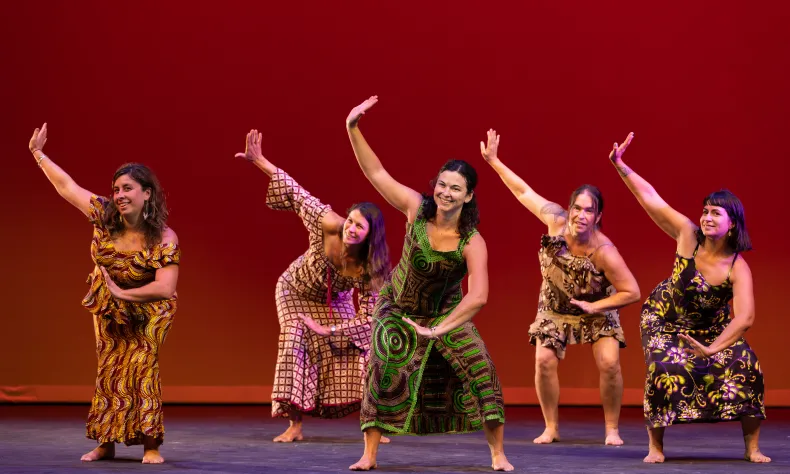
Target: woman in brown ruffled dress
[(132, 297), (585, 282), (324, 342)]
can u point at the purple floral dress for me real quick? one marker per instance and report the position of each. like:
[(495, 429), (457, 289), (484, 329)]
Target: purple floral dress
[(683, 388)]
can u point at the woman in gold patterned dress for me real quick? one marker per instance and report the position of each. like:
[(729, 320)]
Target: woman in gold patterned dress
[(585, 282), (700, 369), (429, 370), (133, 300), (323, 345)]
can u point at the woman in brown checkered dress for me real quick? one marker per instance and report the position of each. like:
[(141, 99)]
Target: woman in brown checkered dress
[(324, 341)]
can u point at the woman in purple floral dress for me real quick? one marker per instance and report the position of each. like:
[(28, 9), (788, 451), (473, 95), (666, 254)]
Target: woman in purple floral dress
[(699, 367)]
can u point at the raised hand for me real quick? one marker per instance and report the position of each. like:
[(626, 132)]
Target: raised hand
[(489, 150), (358, 111), (697, 348), (113, 287), (585, 306), (617, 150), (38, 139), (252, 152), (421, 330), (314, 326)]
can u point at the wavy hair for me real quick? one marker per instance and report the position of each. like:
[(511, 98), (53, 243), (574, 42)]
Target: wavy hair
[(375, 252), (155, 207), (738, 237), (470, 214)]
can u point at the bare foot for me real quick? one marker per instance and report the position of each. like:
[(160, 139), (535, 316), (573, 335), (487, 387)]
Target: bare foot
[(613, 438), (290, 435), (104, 451), (385, 440), (499, 463), (549, 436), (654, 456), (365, 463), (152, 456), (756, 456)]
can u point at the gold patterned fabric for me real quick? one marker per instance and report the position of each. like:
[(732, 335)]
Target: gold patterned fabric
[(417, 385), (317, 375), (567, 276), (127, 403), (684, 388)]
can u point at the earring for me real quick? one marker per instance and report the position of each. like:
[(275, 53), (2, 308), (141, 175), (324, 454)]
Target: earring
[(729, 233), (145, 211)]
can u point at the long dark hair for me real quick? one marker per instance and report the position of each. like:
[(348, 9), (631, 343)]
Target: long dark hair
[(470, 215), (597, 199), (375, 252), (155, 207), (738, 237)]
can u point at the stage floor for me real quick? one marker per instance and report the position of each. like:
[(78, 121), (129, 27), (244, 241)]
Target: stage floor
[(237, 439)]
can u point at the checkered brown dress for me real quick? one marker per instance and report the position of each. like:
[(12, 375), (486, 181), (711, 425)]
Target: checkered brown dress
[(317, 375)]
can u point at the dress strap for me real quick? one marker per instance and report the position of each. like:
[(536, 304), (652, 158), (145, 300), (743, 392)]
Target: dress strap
[(695, 250), (732, 265), (596, 248)]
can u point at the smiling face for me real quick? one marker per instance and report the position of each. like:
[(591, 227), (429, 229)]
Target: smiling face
[(583, 215), (450, 192), (128, 196), (355, 229), (715, 222)]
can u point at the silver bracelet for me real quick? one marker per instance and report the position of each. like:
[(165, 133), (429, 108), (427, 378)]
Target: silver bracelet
[(38, 161), (433, 332)]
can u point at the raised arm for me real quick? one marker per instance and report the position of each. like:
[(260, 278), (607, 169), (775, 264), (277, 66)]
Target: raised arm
[(476, 255), (399, 196), (613, 266), (162, 288), (64, 185), (742, 312), (253, 154), (550, 213), (675, 224)]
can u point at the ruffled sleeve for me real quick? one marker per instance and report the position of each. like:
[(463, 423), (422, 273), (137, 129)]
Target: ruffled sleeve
[(285, 194), (97, 209), (359, 329), (101, 303), (164, 254)]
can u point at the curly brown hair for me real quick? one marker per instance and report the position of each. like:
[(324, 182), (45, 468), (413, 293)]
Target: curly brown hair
[(154, 210), (375, 251)]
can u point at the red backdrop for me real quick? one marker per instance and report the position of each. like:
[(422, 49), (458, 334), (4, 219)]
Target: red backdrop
[(177, 85)]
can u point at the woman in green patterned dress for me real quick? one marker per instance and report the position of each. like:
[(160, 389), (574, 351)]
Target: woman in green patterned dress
[(585, 282), (429, 370), (699, 367)]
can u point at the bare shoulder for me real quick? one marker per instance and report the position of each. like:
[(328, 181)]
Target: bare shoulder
[(476, 245), (740, 269), (169, 236), (604, 241)]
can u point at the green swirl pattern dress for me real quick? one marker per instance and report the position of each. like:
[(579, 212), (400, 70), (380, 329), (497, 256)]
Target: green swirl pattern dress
[(416, 385), (682, 388)]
